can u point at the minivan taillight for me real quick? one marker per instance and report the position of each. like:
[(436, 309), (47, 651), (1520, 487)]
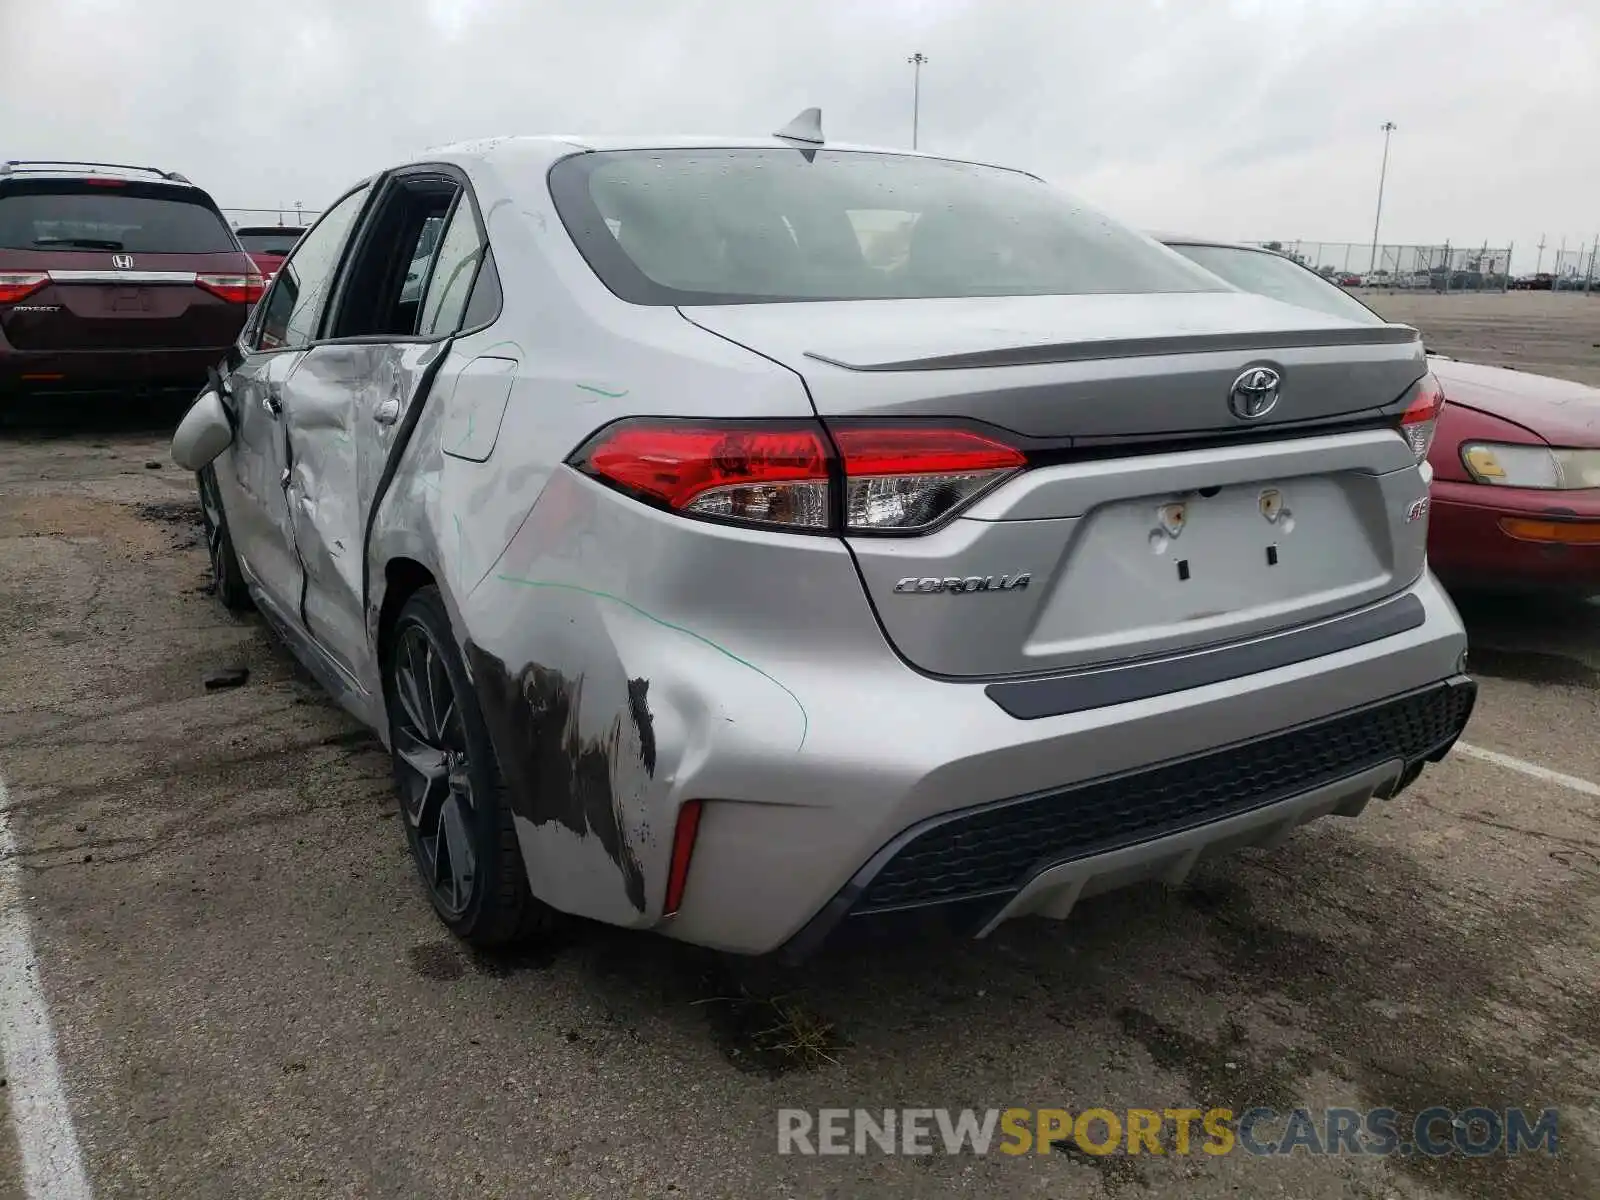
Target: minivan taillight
[(784, 474), (14, 285), (236, 289), (1421, 418)]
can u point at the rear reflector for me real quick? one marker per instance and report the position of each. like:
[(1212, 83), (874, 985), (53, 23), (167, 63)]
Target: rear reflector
[(1571, 533), (14, 285), (236, 289), (1421, 418), (682, 851), (895, 479)]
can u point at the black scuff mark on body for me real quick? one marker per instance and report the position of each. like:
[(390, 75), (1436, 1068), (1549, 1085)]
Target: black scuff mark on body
[(554, 773), (643, 723)]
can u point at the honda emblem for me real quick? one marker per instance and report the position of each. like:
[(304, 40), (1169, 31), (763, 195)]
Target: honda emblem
[(123, 262)]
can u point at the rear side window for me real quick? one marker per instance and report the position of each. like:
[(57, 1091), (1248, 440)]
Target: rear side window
[(754, 225), (450, 284), (131, 218)]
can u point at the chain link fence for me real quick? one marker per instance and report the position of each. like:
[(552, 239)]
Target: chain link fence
[(1569, 270), (1442, 268)]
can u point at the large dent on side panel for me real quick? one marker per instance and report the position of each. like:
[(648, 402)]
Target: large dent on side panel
[(602, 711)]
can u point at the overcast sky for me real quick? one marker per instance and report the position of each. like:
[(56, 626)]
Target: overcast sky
[(1249, 119)]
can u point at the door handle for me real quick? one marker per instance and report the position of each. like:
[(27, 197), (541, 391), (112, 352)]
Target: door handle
[(272, 405), (388, 412)]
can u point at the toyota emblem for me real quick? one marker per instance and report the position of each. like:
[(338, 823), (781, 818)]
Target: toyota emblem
[(1255, 393)]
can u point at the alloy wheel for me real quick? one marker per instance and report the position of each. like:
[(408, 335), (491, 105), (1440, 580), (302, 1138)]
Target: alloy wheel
[(211, 510), (435, 777)]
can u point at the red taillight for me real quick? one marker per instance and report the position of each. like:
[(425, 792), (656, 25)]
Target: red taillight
[(102, 182), (782, 474), (903, 480), (236, 289), (1421, 417), (682, 851), (14, 285), (764, 474)]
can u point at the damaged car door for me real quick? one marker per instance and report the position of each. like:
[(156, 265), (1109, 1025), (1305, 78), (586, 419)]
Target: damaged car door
[(350, 395), (254, 476)]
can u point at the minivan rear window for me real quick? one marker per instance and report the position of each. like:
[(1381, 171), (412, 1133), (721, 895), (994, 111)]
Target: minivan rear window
[(269, 243), (75, 216), (765, 225)]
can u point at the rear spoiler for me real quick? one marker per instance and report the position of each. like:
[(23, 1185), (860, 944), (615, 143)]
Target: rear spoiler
[(1064, 352)]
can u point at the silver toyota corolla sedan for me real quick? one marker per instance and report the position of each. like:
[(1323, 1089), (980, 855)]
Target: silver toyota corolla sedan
[(760, 540)]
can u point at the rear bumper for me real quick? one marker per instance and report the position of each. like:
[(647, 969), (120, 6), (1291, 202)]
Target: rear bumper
[(923, 801), (973, 869), (1469, 546), (69, 371)]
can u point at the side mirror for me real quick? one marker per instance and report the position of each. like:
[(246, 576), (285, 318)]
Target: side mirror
[(204, 433)]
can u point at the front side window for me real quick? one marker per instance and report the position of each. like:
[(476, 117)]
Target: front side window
[(1269, 274), (754, 225), (454, 268), (295, 303)]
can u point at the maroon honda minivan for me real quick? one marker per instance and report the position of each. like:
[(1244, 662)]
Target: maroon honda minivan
[(114, 278)]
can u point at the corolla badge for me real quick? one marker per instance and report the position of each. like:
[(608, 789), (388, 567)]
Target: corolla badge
[(1254, 393), (952, 585)]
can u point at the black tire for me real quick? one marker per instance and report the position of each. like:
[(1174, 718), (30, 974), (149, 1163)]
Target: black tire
[(227, 580), (486, 902)]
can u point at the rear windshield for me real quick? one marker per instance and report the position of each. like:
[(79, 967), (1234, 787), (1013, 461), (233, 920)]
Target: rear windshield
[(269, 243), (1269, 274), (757, 225), (78, 217)]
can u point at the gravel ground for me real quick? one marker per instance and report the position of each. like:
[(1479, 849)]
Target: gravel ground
[(252, 998)]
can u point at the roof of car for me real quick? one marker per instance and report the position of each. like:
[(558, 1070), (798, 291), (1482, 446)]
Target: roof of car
[(52, 168), (549, 147)]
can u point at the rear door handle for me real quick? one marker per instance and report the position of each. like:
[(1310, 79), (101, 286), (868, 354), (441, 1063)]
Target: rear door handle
[(388, 412)]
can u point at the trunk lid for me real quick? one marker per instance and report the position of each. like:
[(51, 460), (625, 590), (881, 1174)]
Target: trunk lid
[(1150, 527)]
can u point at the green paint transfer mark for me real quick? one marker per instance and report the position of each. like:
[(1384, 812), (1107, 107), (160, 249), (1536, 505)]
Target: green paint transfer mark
[(805, 719), (600, 391)]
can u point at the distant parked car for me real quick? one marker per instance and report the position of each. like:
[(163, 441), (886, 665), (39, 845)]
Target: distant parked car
[(1346, 280), (1541, 282), (1516, 459), (114, 277), (704, 576), (268, 245)]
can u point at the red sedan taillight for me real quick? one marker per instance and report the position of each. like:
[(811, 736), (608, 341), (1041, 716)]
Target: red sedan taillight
[(236, 289), (14, 285), (1421, 417), (790, 475)]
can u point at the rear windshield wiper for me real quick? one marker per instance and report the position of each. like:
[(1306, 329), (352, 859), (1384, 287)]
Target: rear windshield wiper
[(85, 243)]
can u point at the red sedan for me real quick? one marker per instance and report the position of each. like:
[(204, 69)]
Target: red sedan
[(1516, 481), (1515, 457)]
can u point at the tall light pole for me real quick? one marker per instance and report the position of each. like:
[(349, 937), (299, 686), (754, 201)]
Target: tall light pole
[(916, 61), (1388, 128)]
